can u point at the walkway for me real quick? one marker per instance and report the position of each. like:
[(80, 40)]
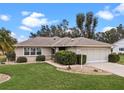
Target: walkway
[(110, 67)]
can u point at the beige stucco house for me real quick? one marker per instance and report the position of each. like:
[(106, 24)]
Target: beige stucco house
[(96, 51)]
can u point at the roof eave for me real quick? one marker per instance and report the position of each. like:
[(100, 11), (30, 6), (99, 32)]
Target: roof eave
[(63, 45)]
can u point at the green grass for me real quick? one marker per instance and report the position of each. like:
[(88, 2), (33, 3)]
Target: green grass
[(44, 76), (121, 59)]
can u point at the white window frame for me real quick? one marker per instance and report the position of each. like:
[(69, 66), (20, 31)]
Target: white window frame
[(121, 48), (30, 51)]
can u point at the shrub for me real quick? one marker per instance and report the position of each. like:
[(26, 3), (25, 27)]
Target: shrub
[(113, 58), (65, 57), (2, 58), (121, 53), (84, 58), (21, 59), (40, 58), (11, 56)]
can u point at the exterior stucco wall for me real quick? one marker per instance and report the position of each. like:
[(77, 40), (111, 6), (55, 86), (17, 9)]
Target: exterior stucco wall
[(93, 54), (19, 51), (45, 51)]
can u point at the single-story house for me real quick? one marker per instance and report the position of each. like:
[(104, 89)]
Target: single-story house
[(118, 47), (96, 51)]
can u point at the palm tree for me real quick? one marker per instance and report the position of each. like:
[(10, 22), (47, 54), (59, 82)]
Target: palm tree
[(6, 41)]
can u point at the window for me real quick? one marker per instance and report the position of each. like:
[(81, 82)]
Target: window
[(38, 51), (121, 49), (26, 51), (32, 51)]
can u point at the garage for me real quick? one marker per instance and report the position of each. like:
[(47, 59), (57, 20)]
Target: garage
[(95, 54)]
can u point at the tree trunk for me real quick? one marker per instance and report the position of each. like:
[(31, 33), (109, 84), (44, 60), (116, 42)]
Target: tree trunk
[(69, 67)]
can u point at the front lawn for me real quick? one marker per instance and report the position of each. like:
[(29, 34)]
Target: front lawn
[(121, 59), (44, 76)]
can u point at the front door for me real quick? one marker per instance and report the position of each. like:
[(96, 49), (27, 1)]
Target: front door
[(53, 51)]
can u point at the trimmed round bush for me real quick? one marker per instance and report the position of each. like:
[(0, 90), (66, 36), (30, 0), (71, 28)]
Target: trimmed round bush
[(65, 57), (84, 58), (40, 58), (21, 59), (113, 58)]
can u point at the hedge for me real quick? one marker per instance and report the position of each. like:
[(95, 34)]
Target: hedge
[(21, 59), (84, 58), (40, 58), (65, 57), (113, 58)]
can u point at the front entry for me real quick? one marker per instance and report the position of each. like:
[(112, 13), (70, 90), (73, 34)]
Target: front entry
[(53, 51), (62, 48)]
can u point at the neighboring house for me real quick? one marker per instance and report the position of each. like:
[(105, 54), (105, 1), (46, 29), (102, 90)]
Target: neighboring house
[(118, 47), (96, 51)]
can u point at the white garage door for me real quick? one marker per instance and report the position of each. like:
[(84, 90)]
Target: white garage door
[(95, 54)]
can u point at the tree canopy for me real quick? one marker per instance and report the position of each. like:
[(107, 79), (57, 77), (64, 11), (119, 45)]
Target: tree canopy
[(86, 25), (111, 35)]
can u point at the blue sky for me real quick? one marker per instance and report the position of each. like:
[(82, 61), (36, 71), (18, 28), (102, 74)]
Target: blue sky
[(21, 19)]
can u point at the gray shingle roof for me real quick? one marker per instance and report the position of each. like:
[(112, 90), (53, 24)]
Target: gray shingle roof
[(60, 42)]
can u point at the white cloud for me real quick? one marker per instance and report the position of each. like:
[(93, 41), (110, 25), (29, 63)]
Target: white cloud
[(25, 28), (4, 17), (25, 13), (36, 15), (119, 8), (105, 14), (107, 28), (13, 34), (108, 14), (36, 20)]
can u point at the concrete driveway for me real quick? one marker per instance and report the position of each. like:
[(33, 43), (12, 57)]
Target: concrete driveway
[(110, 67)]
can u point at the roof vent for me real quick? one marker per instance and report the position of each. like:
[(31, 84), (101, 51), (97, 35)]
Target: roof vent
[(54, 38)]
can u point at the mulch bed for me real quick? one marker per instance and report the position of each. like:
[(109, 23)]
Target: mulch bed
[(4, 77)]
